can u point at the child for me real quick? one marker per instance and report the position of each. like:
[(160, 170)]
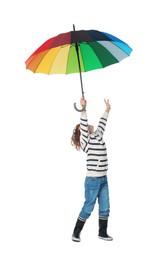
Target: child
[(96, 184)]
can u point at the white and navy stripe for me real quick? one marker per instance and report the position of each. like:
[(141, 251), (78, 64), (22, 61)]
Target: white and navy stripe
[(94, 146)]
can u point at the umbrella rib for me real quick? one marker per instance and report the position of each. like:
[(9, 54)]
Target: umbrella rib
[(67, 60), (108, 51), (52, 63), (122, 49), (82, 57), (57, 55), (41, 61), (115, 53), (88, 43)]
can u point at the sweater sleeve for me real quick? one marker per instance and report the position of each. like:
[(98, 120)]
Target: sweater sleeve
[(84, 130), (102, 123)]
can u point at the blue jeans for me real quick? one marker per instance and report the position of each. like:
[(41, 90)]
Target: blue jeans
[(96, 188)]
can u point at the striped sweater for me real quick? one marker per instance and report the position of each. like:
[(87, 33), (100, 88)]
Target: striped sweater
[(94, 146)]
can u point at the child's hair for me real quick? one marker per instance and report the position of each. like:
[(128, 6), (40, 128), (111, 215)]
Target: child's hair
[(75, 139)]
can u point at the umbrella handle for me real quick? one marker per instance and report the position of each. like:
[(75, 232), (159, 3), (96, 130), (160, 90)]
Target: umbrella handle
[(79, 110)]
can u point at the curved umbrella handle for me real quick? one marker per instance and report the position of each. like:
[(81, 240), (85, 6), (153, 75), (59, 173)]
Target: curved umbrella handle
[(79, 110)]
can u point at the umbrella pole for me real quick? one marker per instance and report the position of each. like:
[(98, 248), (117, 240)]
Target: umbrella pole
[(81, 82)]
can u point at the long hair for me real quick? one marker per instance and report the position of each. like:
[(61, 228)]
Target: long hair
[(75, 139)]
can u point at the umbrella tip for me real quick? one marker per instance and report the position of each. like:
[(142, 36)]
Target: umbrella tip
[(73, 27)]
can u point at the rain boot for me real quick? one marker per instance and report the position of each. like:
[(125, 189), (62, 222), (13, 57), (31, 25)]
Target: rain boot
[(103, 223), (78, 228)]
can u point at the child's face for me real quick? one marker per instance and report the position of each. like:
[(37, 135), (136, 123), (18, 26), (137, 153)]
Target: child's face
[(90, 129)]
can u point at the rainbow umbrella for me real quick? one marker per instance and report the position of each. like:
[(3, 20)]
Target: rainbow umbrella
[(78, 51)]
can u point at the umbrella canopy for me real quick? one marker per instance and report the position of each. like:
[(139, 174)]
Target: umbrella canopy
[(78, 51), (96, 50)]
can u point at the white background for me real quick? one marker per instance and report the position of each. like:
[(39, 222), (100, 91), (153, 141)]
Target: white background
[(41, 174)]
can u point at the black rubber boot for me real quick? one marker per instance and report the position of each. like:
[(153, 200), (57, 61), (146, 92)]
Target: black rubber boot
[(78, 228), (103, 223)]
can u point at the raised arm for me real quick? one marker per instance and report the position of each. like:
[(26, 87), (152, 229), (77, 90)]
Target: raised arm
[(108, 107), (103, 120)]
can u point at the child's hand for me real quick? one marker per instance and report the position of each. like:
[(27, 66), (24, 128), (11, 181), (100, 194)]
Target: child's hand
[(108, 107), (83, 102)]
